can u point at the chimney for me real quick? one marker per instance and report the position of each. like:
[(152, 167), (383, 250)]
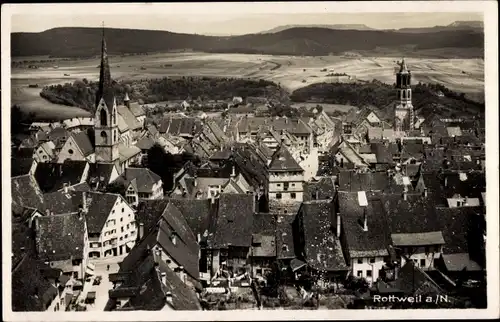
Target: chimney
[(84, 202), (65, 186), (212, 199), (141, 231), (425, 192), (173, 238), (195, 180), (466, 201), (233, 172), (126, 100), (446, 181), (47, 212), (164, 278), (338, 224), (182, 274), (168, 297), (405, 195), (158, 253), (198, 237), (365, 221), (316, 193)]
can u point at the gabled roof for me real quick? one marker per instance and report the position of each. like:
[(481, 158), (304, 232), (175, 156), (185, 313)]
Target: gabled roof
[(100, 206), (61, 237), (52, 176), (83, 142), (322, 248), (282, 160), (128, 117), (375, 240), (142, 178), (143, 283), (234, 221), (197, 213), (145, 143), (149, 212)]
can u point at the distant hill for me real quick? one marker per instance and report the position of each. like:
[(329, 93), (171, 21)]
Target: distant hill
[(85, 42), (477, 26), (335, 27)]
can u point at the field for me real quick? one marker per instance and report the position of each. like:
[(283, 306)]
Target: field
[(291, 72)]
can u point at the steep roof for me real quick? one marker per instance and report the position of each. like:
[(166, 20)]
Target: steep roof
[(142, 281), (197, 213), (60, 202), (145, 143), (128, 117), (20, 166), (82, 140), (322, 248), (234, 221), (99, 205), (149, 212), (52, 176), (136, 109), (375, 240), (61, 237), (26, 192), (282, 160), (143, 179), (105, 90)]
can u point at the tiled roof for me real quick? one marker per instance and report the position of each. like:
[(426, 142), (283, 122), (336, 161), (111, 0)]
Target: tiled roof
[(60, 202), (284, 236), (136, 109), (322, 189), (152, 129), (128, 117), (143, 178), (264, 235), (143, 274), (412, 279), (83, 142), (61, 237), (418, 239), (282, 160), (375, 240), (122, 125), (322, 248), (23, 242), (234, 221), (459, 262), (460, 226), (149, 212), (127, 152), (52, 176), (375, 181), (26, 192), (197, 213), (100, 205), (145, 143), (31, 291)]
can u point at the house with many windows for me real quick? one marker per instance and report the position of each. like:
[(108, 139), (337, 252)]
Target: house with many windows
[(141, 183)]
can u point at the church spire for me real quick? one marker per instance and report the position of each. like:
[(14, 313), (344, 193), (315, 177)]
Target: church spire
[(105, 89), (403, 68)]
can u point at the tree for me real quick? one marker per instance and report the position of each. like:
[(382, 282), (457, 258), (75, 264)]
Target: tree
[(117, 187)]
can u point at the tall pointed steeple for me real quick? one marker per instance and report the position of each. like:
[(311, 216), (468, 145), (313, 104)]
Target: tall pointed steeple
[(403, 68), (105, 90)]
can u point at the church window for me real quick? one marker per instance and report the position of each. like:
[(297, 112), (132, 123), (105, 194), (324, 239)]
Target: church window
[(409, 94), (104, 136), (104, 118), (404, 94), (70, 151), (114, 116)]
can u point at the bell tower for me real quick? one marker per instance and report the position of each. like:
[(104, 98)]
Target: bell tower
[(403, 114), (105, 119)]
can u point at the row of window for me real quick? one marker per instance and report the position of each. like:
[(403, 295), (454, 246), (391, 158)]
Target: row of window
[(293, 195), (371, 260)]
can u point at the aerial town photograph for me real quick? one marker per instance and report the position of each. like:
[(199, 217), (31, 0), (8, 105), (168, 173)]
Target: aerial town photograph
[(270, 162)]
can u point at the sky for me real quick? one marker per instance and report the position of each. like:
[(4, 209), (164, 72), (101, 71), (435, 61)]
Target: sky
[(238, 18)]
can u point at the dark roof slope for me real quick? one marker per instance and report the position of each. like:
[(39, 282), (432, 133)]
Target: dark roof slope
[(375, 240), (149, 212), (322, 189), (20, 166), (52, 176), (142, 179), (234, 221), (100, 205), (100, 175), (197, 213), (282, 160), (61, 237), (284, 237), (31, 291), (322, 249), (83, 141), (26, 192)]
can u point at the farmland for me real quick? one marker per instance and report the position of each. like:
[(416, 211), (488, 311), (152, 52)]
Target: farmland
[(290, 72)]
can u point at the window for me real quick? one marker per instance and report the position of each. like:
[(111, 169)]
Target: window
[(126, 235), (278, 196), (121, 219), (113, 211), (285, 186), (132, 233), (128, 226), (122, 229), (427, 249), (360, 274), (121, 238), (369, 273), (422, 263), (278, 185), (70, 151), (293, 184), (372, 260), (104, 118), (293, 195), (123, 209), (259, 271), (104, 137), (360, 261)]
